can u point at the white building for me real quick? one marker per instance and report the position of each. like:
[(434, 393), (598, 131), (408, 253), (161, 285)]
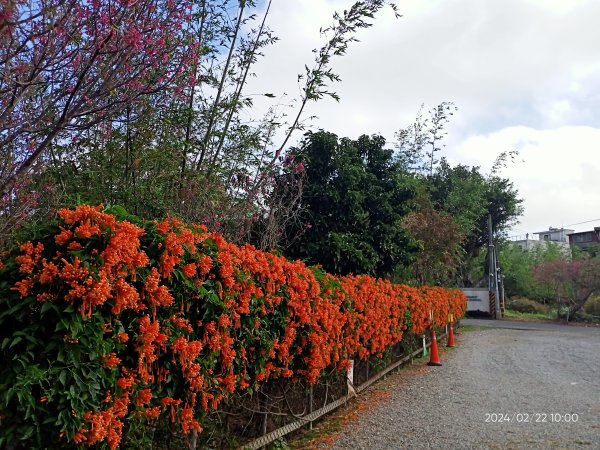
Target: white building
[(555, 234), (558, 236)]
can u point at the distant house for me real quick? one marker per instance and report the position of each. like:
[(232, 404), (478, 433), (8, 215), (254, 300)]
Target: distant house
[(585, 239), (555, 234), (558, 236)]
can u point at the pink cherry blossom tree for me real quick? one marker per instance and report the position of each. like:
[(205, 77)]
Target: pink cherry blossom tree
[(68, 65), (144, 102), (570, 283)]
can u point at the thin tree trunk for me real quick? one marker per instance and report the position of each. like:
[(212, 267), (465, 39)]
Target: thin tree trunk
[(188, 128), (238, 92), (213, 112)]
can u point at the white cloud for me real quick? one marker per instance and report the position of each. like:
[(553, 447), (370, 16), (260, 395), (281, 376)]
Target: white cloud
[(558, 7), (557, 172), (523, 73)]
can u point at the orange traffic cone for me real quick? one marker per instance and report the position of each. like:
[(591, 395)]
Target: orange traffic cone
[(434, 359), (450, 336)]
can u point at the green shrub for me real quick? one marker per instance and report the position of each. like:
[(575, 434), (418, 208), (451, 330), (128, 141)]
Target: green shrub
[(592, 306), (525, 305), (109, 323)]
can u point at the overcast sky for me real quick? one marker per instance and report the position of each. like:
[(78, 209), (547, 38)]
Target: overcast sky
[(525, 74)]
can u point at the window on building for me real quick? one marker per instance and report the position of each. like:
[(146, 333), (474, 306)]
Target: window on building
[(582, 237)]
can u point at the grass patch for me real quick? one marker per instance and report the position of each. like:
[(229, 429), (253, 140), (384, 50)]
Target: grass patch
[(526, 305), (512, 314), (592, 306)]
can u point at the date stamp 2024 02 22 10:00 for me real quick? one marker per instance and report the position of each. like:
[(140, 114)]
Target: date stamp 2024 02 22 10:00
[(552, 417)]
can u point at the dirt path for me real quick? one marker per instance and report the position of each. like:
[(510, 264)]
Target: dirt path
[(501, 388)]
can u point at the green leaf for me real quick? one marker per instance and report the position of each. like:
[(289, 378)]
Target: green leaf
[(79, 382), (48, 306), (16, 341), (62, 377), (28, 433), (62, 325), (118, 211), (9, 395)]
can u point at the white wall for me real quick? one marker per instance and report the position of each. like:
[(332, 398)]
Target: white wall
[(478, 299)]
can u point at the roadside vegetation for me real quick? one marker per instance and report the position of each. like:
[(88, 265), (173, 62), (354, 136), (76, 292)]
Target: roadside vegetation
[(549, 282)]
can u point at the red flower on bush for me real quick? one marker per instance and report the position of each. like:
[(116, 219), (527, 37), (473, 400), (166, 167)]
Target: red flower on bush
[(196, 312)]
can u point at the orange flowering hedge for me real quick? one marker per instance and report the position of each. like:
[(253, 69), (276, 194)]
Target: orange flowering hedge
[(107, 320)]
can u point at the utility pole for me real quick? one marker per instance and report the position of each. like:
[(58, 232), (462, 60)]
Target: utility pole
[(500, 279), (493, 274)]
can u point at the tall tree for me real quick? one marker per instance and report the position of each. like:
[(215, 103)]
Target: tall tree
[(460, 192), (69, 65), (440, 238), (464, 193), (354, 200)]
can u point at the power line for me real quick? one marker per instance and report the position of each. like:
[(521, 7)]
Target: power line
[(519, 230), (581, 223), (569, 225)]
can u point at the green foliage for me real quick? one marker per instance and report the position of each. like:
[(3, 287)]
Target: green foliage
[(108, 324), (548, 251), (470, 196), (354, 200), (462, 192), (524, 305), (358, 194), (56, 367), (440, 239), (52, 366), (517, 265), (129, 169), (592, 306)]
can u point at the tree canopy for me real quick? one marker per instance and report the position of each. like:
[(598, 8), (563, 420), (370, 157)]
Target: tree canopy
[(470, 196), (365, 209), (355, 197)]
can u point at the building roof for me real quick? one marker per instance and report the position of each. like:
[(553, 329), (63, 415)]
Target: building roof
[(553, 230), (596, 230)]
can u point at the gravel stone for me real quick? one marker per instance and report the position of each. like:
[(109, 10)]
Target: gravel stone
[(531, 373)]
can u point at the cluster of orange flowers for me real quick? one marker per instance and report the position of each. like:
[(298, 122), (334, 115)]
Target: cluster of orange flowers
[(210, 317)]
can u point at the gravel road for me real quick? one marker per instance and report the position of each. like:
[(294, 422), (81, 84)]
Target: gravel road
[(499, 389)]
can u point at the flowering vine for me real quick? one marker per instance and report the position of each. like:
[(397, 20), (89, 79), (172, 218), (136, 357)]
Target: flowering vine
[(165, 317)]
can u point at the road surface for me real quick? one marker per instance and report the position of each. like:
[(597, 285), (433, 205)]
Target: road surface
[(522, 386)]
